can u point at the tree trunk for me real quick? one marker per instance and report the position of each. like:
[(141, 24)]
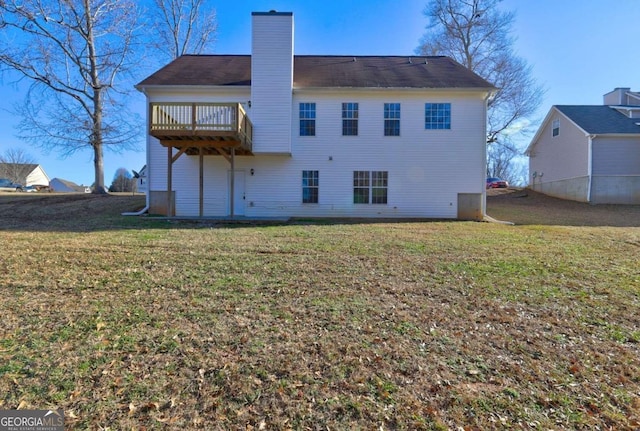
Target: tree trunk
[(96, 133), (96, 138), (98, 165)]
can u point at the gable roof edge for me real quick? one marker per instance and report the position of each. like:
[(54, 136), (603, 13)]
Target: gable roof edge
[(481, 90), (543, 125)]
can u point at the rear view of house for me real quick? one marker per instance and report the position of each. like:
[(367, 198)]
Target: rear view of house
[(274, 134), (590, 153)]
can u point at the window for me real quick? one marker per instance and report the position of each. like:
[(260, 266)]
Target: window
[(370, 187), (307, 119), (349, 119), (361, 187), (556, 128), (437, 116), (310, 186), (379, 187), (391, 119)]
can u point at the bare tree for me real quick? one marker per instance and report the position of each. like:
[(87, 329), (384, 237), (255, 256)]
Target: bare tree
[(75, 54), (502, 162), (183, 27), (16, 164), (477, 35), (123, 181)]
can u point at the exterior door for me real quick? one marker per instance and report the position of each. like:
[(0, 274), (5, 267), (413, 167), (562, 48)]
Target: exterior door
[(238, 193)]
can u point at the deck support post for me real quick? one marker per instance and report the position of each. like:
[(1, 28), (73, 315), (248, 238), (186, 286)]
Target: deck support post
[(169, 179), (201, 187), (233, 182)]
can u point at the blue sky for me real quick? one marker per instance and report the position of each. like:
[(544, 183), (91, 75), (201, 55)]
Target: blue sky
[(579, 50)]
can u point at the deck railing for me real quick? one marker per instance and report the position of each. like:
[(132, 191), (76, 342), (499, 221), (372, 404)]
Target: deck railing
[(200, 119)]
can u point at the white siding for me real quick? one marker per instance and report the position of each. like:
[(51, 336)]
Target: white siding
[(559, 157), (426, 168), (271, 82), (37, 177)]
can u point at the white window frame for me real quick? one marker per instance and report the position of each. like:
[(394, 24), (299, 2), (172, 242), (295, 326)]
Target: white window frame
[(371, 181), (310, 181)]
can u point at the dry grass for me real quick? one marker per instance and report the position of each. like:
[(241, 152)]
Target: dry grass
[(148, 324), (529, 207)]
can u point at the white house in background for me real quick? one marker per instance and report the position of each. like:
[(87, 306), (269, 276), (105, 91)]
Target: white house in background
[(273, 134), (590, 153), (141, 180), (27, 174), (59, 185)]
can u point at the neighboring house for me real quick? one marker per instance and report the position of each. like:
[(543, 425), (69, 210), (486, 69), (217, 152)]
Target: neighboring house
[(59, 185), (273, 134), (589, 153), (26, 174), (141, 180)]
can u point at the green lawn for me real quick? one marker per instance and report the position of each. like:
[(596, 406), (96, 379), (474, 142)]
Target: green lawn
[(149, 324)]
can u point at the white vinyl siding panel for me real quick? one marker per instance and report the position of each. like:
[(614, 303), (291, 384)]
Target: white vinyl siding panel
[(418, 162), (427, 169), (616, 156), (37, 177), (563, 156), (271, 83)]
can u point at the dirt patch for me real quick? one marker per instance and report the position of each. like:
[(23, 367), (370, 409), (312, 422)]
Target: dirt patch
[(524, 206), (64, 211)]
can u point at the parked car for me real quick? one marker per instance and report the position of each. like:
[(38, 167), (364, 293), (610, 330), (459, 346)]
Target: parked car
[(496, 183), (30, 189), (7, 185)]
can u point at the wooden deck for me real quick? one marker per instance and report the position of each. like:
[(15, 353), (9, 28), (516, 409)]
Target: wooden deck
[(202, 128)]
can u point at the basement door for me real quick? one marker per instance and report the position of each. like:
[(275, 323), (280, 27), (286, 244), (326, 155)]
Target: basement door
[(238, 195)]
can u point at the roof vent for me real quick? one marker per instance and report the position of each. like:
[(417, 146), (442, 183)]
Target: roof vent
[(273, 11), (354, 59), (410, 62)]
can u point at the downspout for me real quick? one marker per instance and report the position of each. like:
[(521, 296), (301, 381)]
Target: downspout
[(143, 90), (484, 155), (137, 213), (590, 166)]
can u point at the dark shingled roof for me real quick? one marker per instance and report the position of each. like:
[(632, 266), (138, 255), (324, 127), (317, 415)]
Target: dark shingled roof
[(324, 71), (17, 172), (27, 167), (600, 119)]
